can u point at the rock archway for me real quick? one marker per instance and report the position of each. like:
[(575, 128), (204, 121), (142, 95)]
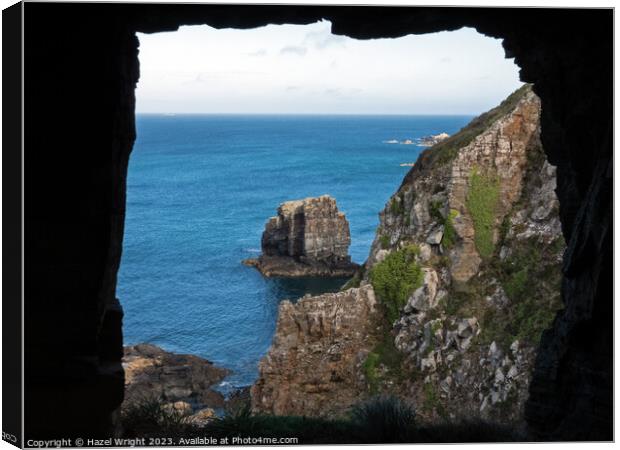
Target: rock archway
[(81, 69)]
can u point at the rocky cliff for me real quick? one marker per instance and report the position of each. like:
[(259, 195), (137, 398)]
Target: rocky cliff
[(308, 237), (313, 365), (465, 268), (181, 382)]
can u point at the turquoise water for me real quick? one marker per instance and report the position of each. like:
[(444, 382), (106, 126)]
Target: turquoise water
[(199, 190)]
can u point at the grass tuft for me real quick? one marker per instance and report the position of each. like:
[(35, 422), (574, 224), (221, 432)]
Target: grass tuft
[(384, 420), (481, 203)]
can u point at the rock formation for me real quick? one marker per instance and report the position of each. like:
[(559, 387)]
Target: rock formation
[(313, 365), (308, 237), (182, 382), (476, 222)]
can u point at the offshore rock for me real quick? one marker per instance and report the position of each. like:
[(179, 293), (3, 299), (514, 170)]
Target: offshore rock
[(312, 367), (181, 382), (308, 237)]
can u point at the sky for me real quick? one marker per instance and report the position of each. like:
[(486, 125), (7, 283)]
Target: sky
[(305, 69)]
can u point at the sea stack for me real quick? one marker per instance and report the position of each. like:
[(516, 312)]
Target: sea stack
[(308, 237)]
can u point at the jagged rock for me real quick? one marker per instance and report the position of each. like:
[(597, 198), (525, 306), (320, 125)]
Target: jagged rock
[(425, 251), (499, 376), (428, 363), (308, 237), (202, 417), (179, 380), (445, 384), (512, 372), (381, 255), (495, 397), (435, 236), (320, 342), (181, 408), (499, 298), (495, 353), (465, 327), (425, 296)]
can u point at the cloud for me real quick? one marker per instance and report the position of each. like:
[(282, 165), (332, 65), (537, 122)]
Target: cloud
[(323, 39), (294, 49), (445, 60), (259, 52), (293, 88), (208, 77)]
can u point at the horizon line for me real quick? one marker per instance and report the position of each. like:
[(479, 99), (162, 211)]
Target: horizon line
[(298, 114)]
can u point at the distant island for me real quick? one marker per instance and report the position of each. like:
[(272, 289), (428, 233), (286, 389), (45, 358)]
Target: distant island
[(433, 139), (424, 141)]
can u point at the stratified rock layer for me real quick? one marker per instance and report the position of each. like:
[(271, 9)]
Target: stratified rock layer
[(308, 237), (312, 367)]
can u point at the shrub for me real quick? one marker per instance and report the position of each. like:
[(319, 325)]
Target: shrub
[(517, 284), (434, 209), (449, 233), (454, 301), (307, 429), (384, 240), (530, 278), (148, 417), (481, 202), (370, 371), (395, 278), (356, 280), (397, 207), (384, 419)]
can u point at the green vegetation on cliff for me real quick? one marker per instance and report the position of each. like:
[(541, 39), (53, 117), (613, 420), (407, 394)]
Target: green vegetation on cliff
[(530, 311), (383, 354), (449, 233), (481, 202), (395, 278), (384, 240)]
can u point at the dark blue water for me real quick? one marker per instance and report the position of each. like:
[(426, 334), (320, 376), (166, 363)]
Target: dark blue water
[(200, 188)]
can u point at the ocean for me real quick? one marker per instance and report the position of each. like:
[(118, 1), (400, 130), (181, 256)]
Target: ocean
[(199, 191)]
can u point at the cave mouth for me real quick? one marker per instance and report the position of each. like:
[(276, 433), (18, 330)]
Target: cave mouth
[(74, 235), (193, 212)]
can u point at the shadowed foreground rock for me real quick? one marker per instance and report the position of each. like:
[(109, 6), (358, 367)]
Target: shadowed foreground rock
[(182, 382), (308, 237)]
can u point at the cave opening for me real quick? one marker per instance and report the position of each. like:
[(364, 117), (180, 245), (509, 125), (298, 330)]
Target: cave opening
[(231, 123), (572, 387)]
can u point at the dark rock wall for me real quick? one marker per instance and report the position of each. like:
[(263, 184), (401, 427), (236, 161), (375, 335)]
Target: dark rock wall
[(81, 68), (80, 74)]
